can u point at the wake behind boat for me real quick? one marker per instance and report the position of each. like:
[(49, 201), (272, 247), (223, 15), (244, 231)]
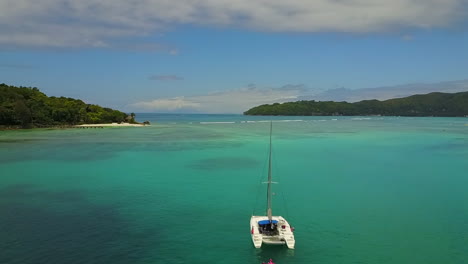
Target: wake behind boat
[(269, 229)]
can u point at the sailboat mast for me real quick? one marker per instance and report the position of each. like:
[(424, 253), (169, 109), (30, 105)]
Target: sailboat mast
[(269, 214)]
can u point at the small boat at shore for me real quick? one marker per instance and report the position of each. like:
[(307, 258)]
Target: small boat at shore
[(269, 229)]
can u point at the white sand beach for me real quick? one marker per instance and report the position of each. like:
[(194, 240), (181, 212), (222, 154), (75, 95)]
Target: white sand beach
[(113, 125)]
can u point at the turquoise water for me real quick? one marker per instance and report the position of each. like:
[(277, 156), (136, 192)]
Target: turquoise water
[(357, 190)]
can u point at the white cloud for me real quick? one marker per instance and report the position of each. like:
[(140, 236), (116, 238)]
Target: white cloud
[(98, 23), (233, 101), (167, 104)]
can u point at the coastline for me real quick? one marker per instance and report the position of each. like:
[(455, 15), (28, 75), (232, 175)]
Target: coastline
[(112, 125), (5, 128)]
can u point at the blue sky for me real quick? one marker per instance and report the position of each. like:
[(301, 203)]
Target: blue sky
[(227, 56)]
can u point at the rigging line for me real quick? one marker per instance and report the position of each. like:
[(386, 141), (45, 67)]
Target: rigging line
[(285, 204), (260, 187), (283, 184)]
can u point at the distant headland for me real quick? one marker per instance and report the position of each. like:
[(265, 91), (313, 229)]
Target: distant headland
[(27, 107), (432, 104)]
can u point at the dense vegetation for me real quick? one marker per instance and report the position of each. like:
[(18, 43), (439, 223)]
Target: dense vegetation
[(28, 107), (433, 104)]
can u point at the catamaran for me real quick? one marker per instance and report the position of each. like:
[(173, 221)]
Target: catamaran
[(269, 229)]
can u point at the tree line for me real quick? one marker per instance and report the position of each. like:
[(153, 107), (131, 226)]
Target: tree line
[(432, 104), (28, 107)]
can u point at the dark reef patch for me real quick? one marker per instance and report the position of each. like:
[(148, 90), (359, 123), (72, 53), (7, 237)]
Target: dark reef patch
[(458, 144), (41, 226)]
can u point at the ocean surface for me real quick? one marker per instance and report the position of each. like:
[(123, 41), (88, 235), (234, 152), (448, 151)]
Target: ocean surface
[(356, 189)]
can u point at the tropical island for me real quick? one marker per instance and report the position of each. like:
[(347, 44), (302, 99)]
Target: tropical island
[(27, 107), (432, 104)]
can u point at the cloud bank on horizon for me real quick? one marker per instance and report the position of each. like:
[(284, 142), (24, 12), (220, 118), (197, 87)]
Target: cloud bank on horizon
[(122, 24), (232, 101), (388, 92), (238, 101)]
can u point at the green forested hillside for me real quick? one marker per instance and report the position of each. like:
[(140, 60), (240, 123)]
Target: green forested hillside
[(28, 107), (433, 104)]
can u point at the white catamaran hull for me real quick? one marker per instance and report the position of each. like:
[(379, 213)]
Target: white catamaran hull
[(284, 236)]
